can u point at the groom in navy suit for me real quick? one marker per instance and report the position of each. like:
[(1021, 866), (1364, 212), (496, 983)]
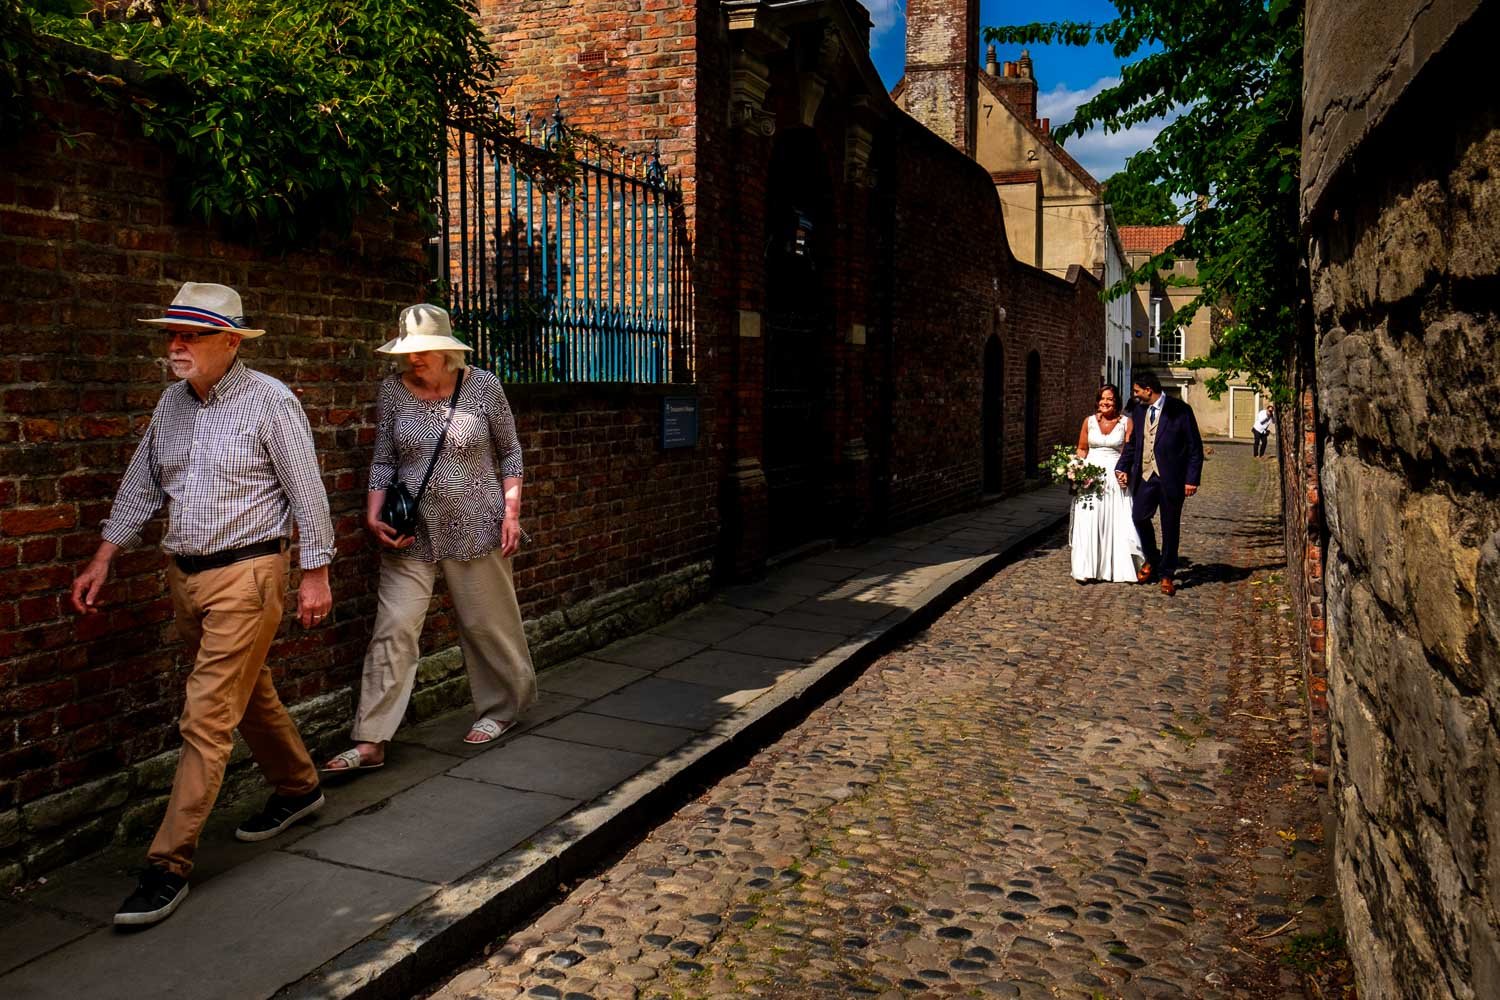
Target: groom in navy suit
[(1163, 460)]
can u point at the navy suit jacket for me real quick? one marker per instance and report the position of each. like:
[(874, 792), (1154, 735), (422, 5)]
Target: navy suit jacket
[(1179, 448)]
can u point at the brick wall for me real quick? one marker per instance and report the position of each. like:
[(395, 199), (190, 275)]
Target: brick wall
[(608, 508), (917, 260), (955, 271), (90, 240), (1302, 495)]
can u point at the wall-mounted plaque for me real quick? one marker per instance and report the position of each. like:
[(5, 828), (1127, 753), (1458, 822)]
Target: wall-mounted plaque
[(679, 422)]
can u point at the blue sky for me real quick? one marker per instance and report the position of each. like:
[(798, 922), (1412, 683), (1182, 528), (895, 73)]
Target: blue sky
[(1066, 76)]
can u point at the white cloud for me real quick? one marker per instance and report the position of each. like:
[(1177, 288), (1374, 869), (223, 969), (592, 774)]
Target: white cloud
[(885, 15), (1099, 152), (1059, 103)]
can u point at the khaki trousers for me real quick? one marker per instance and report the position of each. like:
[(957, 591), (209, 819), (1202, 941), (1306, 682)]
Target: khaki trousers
[(228, 617), (501, 678)]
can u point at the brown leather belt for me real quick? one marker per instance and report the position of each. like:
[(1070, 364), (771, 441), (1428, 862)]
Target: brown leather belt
[(214, 560)]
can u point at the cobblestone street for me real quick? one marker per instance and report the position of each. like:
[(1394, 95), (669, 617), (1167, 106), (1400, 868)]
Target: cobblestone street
[(1056, 790)]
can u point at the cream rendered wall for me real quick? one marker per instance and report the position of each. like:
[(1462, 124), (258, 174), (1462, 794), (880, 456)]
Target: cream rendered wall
[(1001, 141), (1071, 217), (1117, 319), (1073, 231), (1022, 208)]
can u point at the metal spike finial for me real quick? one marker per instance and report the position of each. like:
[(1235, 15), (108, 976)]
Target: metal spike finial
[(554, 131), (655, 172)]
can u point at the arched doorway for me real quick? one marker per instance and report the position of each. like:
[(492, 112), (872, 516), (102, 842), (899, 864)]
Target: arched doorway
[(1033, 413), (798, 332), (993, 421)]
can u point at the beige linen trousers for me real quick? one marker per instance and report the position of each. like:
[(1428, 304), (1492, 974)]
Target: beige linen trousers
[(228, 618), (501, 678)]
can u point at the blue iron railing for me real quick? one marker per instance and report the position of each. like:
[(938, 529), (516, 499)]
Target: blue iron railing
[(587, 283)]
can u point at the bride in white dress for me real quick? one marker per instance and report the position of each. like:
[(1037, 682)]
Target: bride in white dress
[(1104, 543)]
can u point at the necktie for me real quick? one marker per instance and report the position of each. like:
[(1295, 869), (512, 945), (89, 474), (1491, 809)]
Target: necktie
[(1148, 455)]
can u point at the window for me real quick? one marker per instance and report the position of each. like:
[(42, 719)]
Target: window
[(1165, 344), (1171, 346)]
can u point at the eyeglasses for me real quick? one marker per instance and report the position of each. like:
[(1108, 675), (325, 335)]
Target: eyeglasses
[(189, 338)]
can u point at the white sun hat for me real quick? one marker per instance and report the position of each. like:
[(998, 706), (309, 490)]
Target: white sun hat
[(423, 327), (205, 306)]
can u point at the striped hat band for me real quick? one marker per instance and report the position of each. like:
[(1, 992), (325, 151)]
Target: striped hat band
[(197, 314)]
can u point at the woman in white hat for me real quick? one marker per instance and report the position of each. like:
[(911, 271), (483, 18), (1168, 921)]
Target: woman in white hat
[(467, 525)]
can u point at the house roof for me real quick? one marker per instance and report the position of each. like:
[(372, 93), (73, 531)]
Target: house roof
[(1149, 239), (1033, 126), (1069, 164)]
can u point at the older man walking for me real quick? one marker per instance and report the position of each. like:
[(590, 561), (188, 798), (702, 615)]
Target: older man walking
[(230, 454)]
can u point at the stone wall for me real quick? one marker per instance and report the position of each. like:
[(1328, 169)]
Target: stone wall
[(90, 240), (1402, 206)]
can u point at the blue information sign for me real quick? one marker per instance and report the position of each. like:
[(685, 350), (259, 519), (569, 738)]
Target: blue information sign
[(679, 422)]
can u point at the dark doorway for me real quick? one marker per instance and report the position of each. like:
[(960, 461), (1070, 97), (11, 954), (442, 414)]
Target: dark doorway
[(798, 331), (993, 432), (1033, 413)]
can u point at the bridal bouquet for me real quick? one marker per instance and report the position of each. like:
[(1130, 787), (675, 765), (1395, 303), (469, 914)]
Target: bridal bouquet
[(1085, 481)]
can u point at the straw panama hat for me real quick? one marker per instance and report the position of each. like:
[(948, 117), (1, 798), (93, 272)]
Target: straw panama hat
[(423, 328), (206, 306)]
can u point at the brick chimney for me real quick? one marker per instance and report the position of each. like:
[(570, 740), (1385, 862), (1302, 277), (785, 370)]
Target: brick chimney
[(1020, 87), (942, 64)]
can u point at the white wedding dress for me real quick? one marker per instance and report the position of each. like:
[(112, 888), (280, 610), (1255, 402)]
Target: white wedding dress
[(1105, 545)]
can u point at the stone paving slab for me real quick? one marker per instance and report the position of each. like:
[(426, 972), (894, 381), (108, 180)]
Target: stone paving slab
[(757, 597), (648, 651), (786, 643), (742, 671), (439, 830), (409, 865), (708, 623), (29, 932), (622, 734), (246, 934), (589, 678), (570, 770), (445, 734), (668, 703)]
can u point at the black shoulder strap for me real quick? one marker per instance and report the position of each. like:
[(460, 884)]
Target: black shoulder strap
[(452, 405)]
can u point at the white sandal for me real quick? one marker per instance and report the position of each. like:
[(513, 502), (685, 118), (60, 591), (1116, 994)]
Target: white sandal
[(352, 761), (489, 729)]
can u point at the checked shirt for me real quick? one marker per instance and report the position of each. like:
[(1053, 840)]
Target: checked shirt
[(235, 469)]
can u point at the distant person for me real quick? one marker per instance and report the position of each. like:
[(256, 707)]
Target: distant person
[(1162, 463), (446, 425), (1265, 419), (1103, 540), (229, 453)]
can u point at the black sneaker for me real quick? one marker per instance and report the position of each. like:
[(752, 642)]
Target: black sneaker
[(158, 893), (281, 811)]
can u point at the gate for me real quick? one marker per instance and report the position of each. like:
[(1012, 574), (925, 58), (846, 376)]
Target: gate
[(794, 460), (586, 282), (992, 419), (1033, 414)]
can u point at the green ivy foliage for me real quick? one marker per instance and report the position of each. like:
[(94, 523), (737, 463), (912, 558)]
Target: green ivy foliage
[(289, 119), (1232, 71)]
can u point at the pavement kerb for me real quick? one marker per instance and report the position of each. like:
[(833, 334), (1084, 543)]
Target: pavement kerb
[(454, 924)]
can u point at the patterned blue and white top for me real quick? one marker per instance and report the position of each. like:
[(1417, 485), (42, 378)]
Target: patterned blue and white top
[(465, 499)]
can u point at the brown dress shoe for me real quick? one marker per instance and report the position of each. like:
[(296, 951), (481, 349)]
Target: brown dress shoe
[(1168, 587), (1143, 574)]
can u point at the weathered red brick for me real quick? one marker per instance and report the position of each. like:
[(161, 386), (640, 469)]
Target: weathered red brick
[(37, 520)]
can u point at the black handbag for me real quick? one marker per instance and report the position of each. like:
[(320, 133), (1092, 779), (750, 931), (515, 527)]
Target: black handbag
[(400, 508)]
